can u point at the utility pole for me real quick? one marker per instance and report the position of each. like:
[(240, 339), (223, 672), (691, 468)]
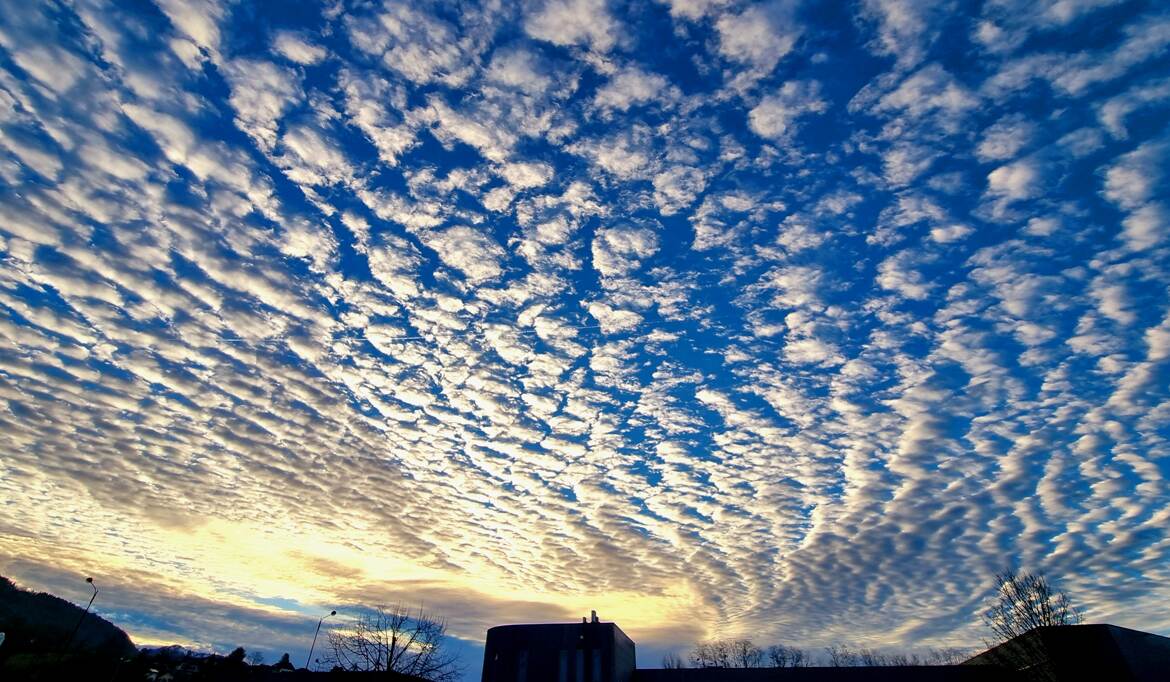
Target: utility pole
[(310, 657), (83, 614)]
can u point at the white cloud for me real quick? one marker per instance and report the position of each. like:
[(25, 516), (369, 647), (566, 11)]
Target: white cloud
[(574, 22), (469, 251), (33, 156), (359, 226), (188, 53), (693, 9), (761, 35), (261, 94), (174, 137), (197, 20), (394, 262), (627, 155), (904, 26), (1082, 142), (372, 103), (1146, 227), (1015, 181), (775, 115), (677, 188), (793, 286), (499, 199), (422, 48), (56, 68), (797, 234), (119, 163), (492, 141), (614, 320), (526, 175), (945, 234), (1113, 301), (1043, 14), (1065, 11), (632, 86), (518, 69), (906, 161), (294, 47), (1005, 139), (1074, 74), (1158, 342), (621, 250), (1042, 227), (1134, 182), (930, 90), (392, 206), (1145, 40), (1136, 177), (1114, 111), (316, 159), (315, 243), (812, 351), (897, 273)]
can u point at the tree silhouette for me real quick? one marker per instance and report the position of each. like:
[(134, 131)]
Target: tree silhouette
[(727, 653), (781, 656), (844, 656), (284, 663), (237, 656), (1026, 601), (394, 639)]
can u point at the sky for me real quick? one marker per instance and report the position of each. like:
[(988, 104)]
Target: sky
[(788, 320)]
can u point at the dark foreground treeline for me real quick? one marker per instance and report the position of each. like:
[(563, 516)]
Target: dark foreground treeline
[(743, 653), (47, 638)]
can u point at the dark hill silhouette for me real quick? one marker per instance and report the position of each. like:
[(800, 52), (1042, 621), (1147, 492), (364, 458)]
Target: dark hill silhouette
[(40, 623)]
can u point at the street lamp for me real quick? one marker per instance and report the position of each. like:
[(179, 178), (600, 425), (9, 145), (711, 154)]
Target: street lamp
[(310, 656), (83, 613)]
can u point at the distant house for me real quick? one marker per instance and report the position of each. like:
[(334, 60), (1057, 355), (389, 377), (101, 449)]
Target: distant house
[(593, 651)]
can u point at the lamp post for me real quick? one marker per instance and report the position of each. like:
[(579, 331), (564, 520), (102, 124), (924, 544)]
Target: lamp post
[(83, 613), (314, 645)]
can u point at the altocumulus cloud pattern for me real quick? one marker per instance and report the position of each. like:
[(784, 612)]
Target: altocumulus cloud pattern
[(795, 320)]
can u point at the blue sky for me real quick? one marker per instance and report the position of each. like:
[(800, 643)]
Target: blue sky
[(790, 320)]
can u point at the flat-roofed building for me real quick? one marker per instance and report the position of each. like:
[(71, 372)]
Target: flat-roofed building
[(589, 651)]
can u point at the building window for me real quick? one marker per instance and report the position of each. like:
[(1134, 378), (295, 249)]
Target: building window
[(522, 666), (595, 674), (563, 668)]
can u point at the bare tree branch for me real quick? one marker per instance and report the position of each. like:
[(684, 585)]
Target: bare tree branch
[(1026, 601), (393, 639), (727, 653), (781, 656)]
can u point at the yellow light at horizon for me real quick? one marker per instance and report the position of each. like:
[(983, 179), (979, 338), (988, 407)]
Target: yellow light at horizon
[(224, 561)]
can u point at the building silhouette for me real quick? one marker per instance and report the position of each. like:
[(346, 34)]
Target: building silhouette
[(589, 651)]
